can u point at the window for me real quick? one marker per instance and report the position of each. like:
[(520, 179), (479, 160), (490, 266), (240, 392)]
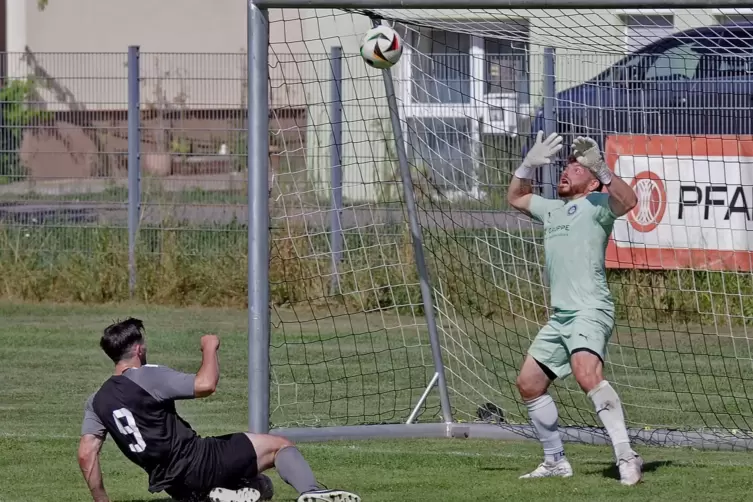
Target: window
[(443, 147), (681, 61), (445, 64), (735, 19), (506, 66), (729, 61), (628, 71), (441, 66), (455, 71), (641, 30)]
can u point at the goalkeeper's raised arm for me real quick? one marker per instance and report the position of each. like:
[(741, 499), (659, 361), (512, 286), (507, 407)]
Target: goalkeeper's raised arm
[(586, 172), (520, 192), (622, 197)]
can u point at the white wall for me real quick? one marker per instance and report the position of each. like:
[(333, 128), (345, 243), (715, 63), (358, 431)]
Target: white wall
[(74, 41)]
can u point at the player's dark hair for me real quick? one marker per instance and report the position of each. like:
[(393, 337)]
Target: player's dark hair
[(118, 338)]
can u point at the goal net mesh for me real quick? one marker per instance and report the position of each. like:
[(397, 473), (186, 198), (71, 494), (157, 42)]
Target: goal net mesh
[(350, 344)]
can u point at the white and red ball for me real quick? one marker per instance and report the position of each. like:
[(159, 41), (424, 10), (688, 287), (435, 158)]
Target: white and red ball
[(381, 47)]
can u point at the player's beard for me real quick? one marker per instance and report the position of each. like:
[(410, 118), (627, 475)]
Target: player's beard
[(564, 189), (142, 357)]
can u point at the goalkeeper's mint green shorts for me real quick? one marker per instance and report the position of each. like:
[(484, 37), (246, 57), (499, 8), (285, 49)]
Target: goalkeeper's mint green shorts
[(569, 331)]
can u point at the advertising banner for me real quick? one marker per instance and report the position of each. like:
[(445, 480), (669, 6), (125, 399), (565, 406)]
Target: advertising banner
[(695, 202)]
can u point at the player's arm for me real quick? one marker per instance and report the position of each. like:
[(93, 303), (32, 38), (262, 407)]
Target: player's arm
[(520, 191), (208, 375), (88, 460), (519, 194), (622, 197), (167, 384), (93, 434)]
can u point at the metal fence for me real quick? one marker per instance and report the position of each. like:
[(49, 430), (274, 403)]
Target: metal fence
[(65, 138), (65, 130)]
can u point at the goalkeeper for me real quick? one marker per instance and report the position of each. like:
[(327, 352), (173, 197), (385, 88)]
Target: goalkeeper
[(576, 230)]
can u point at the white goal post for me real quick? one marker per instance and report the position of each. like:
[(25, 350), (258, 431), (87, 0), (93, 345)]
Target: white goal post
[(412, 291)]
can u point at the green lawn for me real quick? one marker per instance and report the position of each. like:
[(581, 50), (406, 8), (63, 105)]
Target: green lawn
[(50, 362)]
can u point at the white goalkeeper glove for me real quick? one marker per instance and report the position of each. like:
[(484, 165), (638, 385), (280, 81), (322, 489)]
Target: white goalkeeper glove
[(586, 152), (540, 154)]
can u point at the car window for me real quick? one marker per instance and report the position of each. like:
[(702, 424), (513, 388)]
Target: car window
[(681, 61), (727, 62), (626, 70)]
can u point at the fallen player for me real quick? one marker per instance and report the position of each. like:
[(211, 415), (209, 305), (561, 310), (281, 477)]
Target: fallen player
[(136, 407)]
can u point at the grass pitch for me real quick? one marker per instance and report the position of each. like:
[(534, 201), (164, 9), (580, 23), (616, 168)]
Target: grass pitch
[(50, 362)]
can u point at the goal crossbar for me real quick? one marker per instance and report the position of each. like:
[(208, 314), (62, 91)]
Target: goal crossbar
[(486, 4)]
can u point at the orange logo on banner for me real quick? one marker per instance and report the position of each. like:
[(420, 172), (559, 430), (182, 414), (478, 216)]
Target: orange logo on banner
[(652, 202)]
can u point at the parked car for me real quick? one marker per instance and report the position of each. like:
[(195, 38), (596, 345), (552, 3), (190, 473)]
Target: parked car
[(695, 82)]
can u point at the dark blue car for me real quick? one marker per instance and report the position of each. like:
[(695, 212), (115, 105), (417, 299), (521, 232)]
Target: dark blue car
[(695, 82)]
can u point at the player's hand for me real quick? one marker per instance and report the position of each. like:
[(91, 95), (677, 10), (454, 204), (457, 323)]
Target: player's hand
[(543, 150), (586, 152), (210, 343)]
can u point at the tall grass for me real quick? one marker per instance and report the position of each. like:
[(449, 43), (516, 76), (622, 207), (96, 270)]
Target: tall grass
[(479, 273)]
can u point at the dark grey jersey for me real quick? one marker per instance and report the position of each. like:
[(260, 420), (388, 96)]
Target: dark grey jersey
[(137, 409)]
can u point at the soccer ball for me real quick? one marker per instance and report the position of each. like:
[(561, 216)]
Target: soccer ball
[(381, 47)]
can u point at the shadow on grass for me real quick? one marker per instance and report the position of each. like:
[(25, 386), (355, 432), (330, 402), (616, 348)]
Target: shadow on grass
[(608, 472), (614, 473)]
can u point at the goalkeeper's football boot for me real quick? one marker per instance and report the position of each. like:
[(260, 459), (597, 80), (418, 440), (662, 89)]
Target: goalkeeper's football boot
[(631, 470), (241, 495), (561, 469), (329, 496)]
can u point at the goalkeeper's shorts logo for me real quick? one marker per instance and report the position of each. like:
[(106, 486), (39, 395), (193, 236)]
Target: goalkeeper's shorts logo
[(652, 202)]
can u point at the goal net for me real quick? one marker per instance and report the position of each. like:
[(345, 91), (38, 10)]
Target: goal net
[(666, 94)]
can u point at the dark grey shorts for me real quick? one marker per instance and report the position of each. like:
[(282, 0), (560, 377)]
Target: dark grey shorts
[(218, 462)]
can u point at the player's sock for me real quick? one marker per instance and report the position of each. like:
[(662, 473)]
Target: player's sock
[(609, 408), (294, 470), (543, 413)]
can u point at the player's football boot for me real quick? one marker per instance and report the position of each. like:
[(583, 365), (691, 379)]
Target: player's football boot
[(631, 470), (241, 495), (561, 468), (263, 484), (329, 496)]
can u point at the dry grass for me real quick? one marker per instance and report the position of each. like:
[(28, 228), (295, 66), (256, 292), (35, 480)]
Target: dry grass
[(187, 266)]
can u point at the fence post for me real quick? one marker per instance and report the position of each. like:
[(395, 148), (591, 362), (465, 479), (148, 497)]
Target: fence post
[(336, 178), (550, 124), (134, 161)]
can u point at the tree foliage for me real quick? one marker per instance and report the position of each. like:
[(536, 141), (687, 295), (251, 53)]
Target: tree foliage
[(15, 116)]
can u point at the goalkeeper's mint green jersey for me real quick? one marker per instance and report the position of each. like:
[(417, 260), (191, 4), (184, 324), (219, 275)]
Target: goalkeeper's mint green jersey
[(576, 234)]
